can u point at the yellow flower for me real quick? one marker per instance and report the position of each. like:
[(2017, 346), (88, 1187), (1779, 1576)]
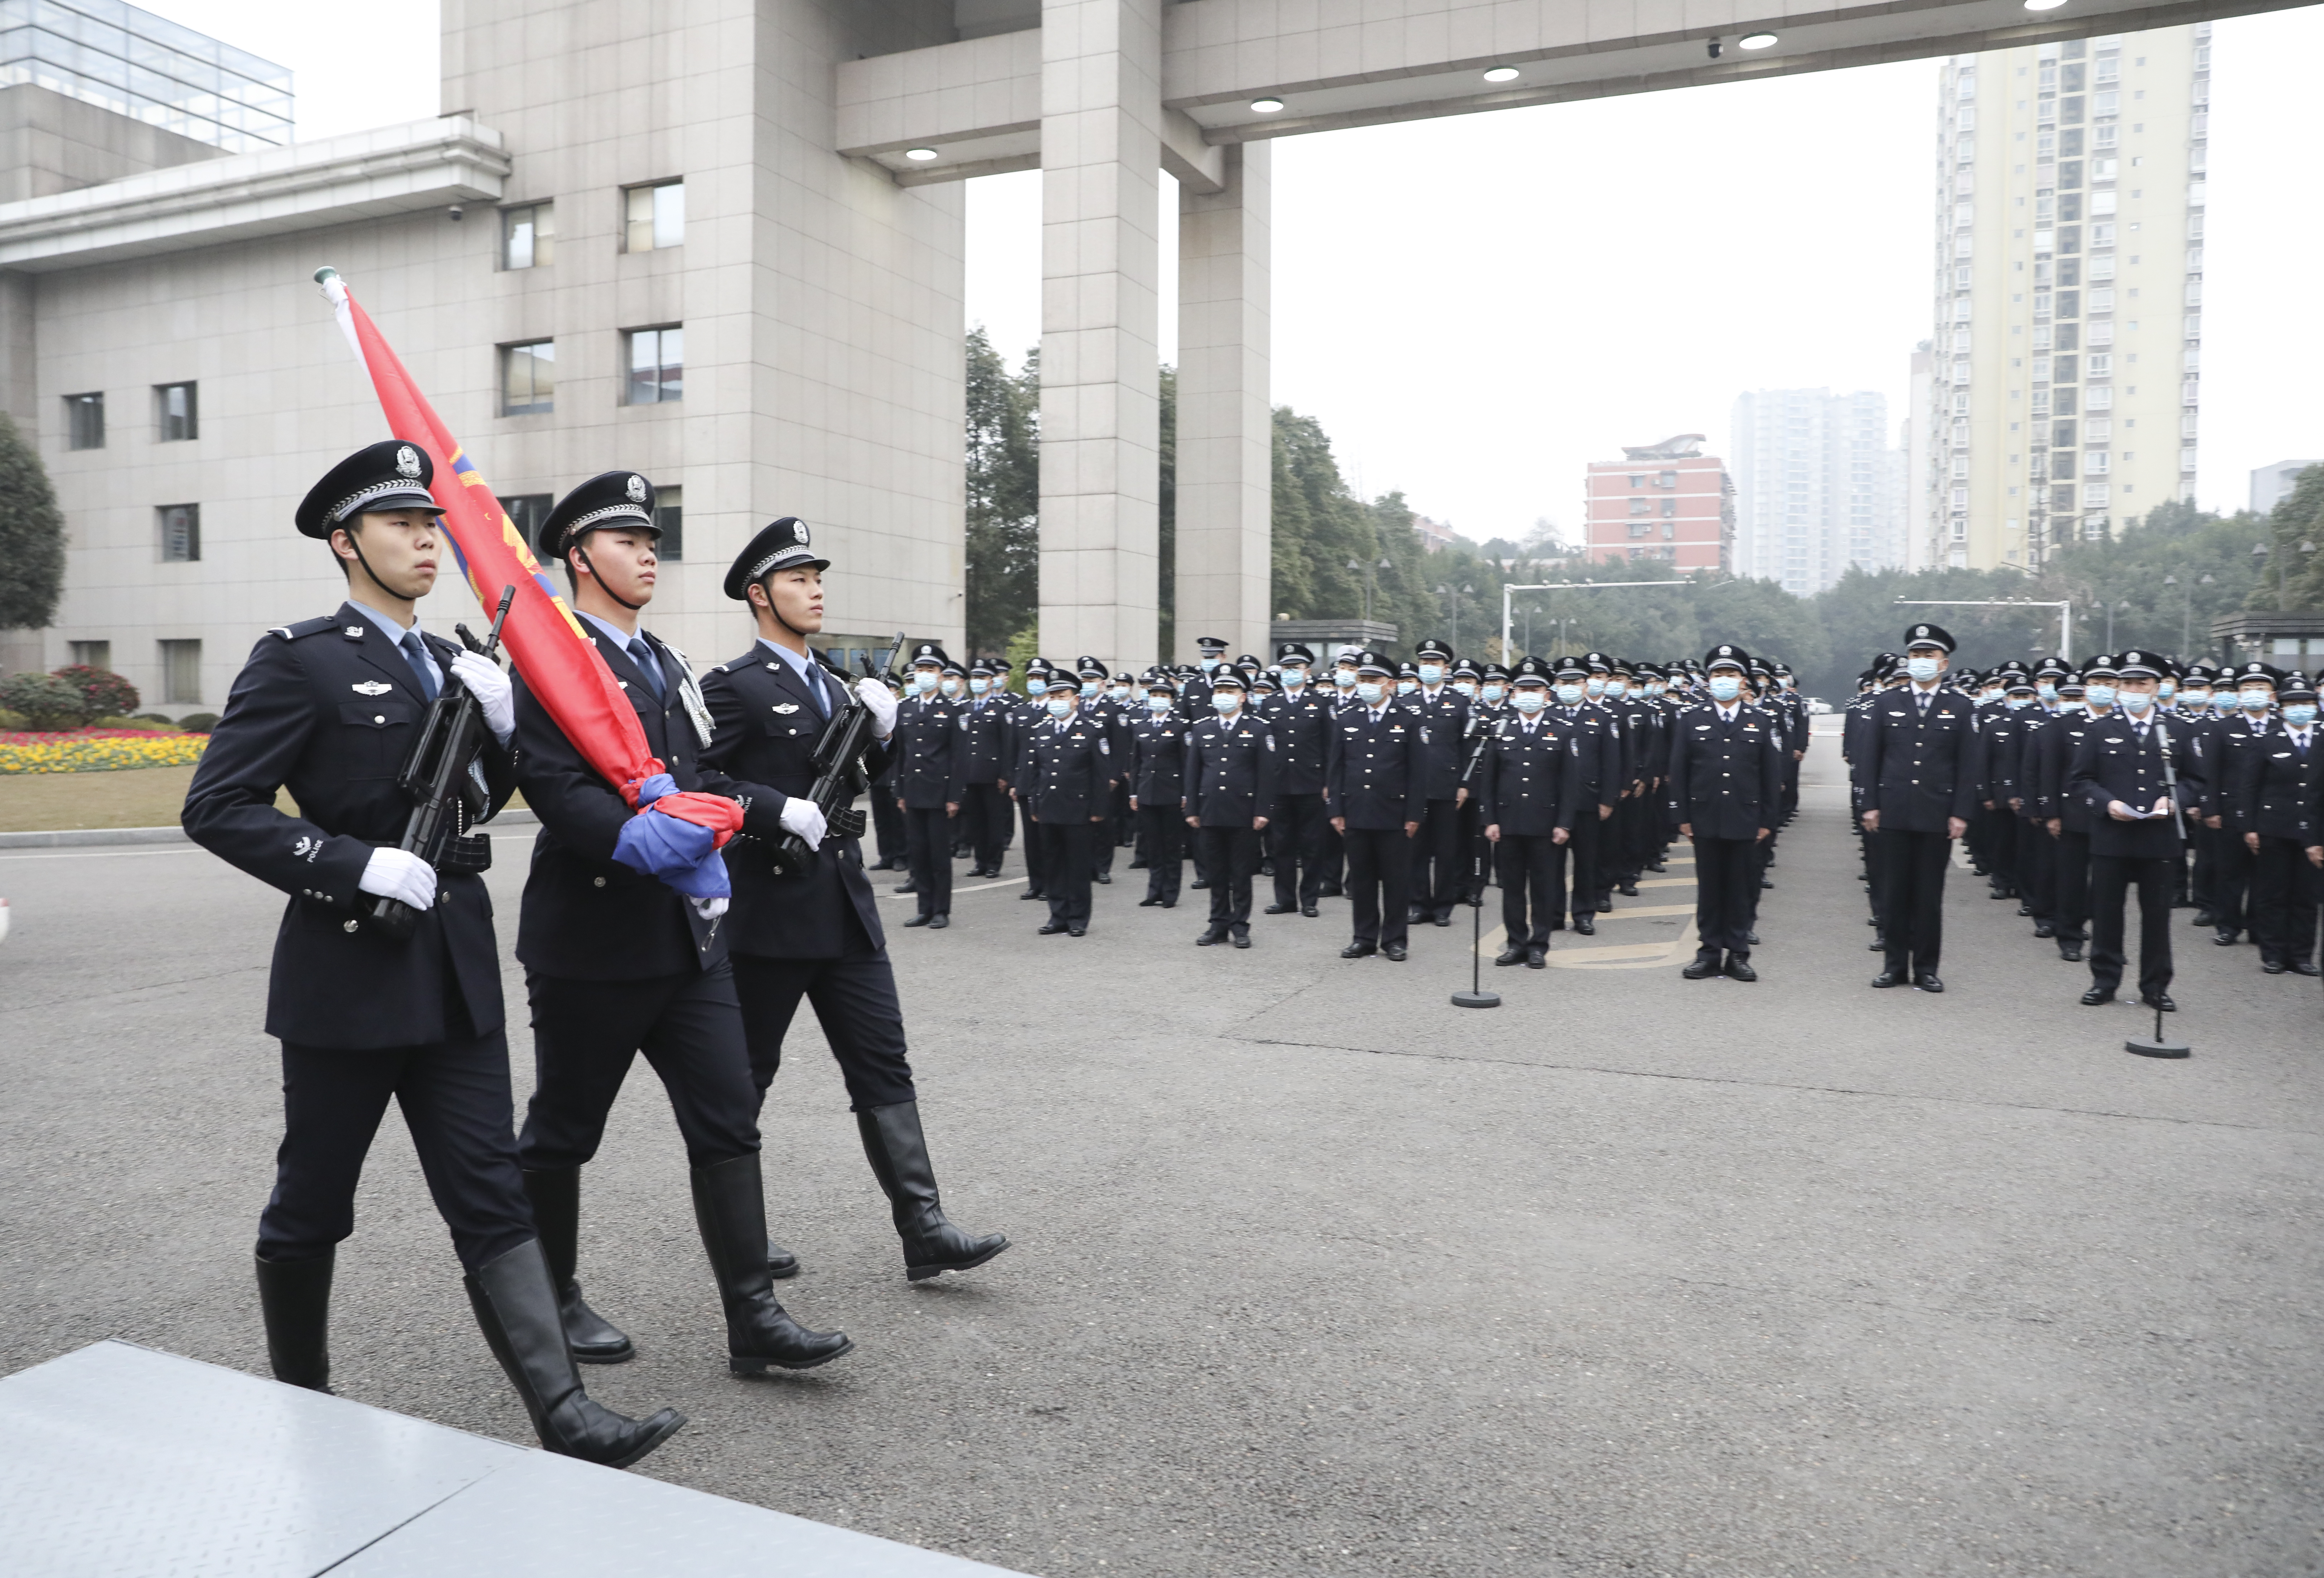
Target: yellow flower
[(97, 753)]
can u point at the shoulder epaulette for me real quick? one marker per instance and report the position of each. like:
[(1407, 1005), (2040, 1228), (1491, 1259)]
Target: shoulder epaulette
[(316, 626)]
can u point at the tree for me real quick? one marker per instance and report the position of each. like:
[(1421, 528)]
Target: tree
[(31, 535), (2295, 571), (1003, 553)]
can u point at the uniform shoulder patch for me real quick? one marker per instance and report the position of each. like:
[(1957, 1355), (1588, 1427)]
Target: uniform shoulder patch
[(305, 627)]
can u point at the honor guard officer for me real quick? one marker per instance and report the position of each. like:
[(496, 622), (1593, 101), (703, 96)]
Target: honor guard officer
[(816, 933), (1440, 868), (2134, 772), (328, 708), (2279, 789), (617, 962), (1158, 789), (1918, 776), (1726, 775), (1230, 769), (984, 725), (1376, 781), (1069, 784), (1528, 790), (931, 763), (1299, 719)]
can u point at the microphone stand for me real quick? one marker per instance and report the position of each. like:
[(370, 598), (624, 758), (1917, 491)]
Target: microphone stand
[(1477, 996)]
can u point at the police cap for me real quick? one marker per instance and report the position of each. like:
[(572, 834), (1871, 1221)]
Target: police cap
[(781, 544), (390, 475), (610, 498)]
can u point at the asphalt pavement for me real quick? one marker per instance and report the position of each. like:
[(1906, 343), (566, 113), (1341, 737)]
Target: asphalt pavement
[(1316, 1273)]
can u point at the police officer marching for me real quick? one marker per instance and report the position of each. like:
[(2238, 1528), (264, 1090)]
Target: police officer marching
[(327, 708), (1231, 766)]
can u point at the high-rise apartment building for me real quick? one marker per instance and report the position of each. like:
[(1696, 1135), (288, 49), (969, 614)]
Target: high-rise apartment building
[(2065, 366), (1815, 485), (1667, 500)]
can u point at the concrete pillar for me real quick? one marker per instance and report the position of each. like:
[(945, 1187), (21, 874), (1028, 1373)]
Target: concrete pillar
[(1225, 427), (1100, 439)]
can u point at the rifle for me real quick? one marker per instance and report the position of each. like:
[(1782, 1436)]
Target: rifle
[(439, 778), (839, 775)]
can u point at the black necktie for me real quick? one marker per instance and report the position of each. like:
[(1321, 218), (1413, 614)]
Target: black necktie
[(648, 666), (423, 666), (814, 690)]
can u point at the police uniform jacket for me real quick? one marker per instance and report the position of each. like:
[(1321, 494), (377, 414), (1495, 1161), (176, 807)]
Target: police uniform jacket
[(1301, 729), (1157, 768), (763, 729), (2112, 763), (984, 733), (2277, 785), (2228, 744), (1025, 716), (587, 916), (2053, 749), (328, 709), (1230, 770), (1528, 781), (1593, 745), (1920, 765), (1726, 777), (1376, 773), (1069, 777), (1447, 717), (931, 754)]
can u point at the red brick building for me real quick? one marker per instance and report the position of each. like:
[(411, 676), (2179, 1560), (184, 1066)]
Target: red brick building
[(1667, 501)]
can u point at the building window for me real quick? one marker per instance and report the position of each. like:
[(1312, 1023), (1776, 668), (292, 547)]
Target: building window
[(2097, 463), (526, 511), (175, 412), (1641, 506), (1637, 481), (654, 216), (656, 365), (670, 514), (182, 671), (529, 236), (1670, 507), (181, 532), (93, 654), (529, 378), (1641, 528), (85, 421), (1666, 479)]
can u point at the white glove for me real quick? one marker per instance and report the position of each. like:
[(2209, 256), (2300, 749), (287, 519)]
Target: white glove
[(801, 817), (874, 693), (398, 873), (708, 909), (490, 687)]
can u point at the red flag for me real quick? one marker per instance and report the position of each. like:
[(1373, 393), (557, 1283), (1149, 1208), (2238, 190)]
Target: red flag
[(561, 663)]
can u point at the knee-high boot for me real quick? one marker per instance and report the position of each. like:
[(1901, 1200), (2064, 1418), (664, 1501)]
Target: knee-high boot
[(555, 1196), (295, 1298), (898, 1154), (730, 1209)]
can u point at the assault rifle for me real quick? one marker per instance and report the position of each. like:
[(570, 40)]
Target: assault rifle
[(839, 775), (446, 791)]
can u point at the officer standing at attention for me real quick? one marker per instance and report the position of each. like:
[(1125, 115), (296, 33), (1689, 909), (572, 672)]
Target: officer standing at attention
[(1299, 719), (1069, 785), (1229, 788), (1376, 787), (1592, 736), (328, 708), (1439, 870), (617, 962), (1026, 717), (1919, 778), (817, 934), (1726, 776), (2125, 772), (985, 812), (931, 763), (1528, 790), (1158, 789), (2280, 786)]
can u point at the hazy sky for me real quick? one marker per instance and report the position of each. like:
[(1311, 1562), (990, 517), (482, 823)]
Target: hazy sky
[(1476, 308)]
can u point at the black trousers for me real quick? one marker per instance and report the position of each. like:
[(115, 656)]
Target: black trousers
[(986, 817), (1531, 904), (887, 824), (2037, 869), (455, 1096), (928, 850), (2070, 868), (1230, 854), (1037, 857), (1065, 854), (1335, 862), (1726, 893), (1297, 827), (2283, 900), (1588, 835), (2232, 885), (854, 1000), (1912, 897), (1437, 866), (1379, 883), (585, 1036), (1102, 839), (1163, 831), (2112, 876)]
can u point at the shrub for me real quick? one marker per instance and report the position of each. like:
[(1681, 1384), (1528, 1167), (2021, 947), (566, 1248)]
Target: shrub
[(141, 723), (46, 702), (109, 695), (199, 722), (11, 723)]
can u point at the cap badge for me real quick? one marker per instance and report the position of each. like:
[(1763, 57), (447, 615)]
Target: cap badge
[(799, 530), (407, 461), (637, 489), (371, 688)]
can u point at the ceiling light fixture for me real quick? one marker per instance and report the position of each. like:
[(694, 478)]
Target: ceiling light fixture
[(1755, 40), (920, 155), (2043, 5), (1266, 107), (1502, 74)]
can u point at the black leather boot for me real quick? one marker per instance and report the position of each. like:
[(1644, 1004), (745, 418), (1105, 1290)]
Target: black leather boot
[(516, 1307), (898, 1154), (731, 1212), (295, 1298), (555, 1196)]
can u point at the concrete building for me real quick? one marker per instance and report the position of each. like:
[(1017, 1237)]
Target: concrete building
[(1668, 502), (2069, 281), (2269, 484), (1435, 535), (720, 241), (1815, 485)]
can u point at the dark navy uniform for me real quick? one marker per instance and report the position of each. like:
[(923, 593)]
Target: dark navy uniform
[(931, 764), (1069, 782), (985, 812), (1919, 772), (1231, 766), (1301, 724), (1026, 716), (1158, 783), (1439, 869), (1377, 784), (1601, 758), (1528, 789), (1726, 786), (2122, 759), (2280, 779)]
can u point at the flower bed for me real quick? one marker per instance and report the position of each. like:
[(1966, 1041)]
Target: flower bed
[(98, 750)]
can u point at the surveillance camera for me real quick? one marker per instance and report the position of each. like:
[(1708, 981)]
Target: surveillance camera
[(1714, 48), (456, 215)]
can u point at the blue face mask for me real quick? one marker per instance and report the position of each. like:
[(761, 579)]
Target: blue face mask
[(1725, 687), (978, 686), (1569, 695), (2099, 696), (1091, 687), (1344, 677), (2223, 701), (1293, 678), (1922, 669), (1530, 699), (2166, 690), (1156, 702), (924, 679), (1493, 692), (949, 687), (2299, 714), (1367, 691), (1209, 664), (1059, 706), (2256, 700), (2046, 692), (1432, 673), (1464, 687), (1120, 693), (2017, 703), (1407, 686), (1226, 700), (1596, 689), (2138, 701)]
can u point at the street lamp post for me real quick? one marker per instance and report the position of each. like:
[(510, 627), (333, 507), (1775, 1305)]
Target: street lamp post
[(1367, 572)]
